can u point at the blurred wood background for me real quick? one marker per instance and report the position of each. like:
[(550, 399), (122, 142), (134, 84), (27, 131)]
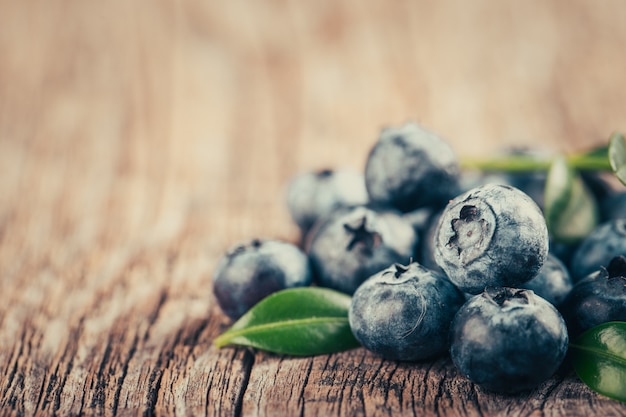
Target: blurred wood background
[(141, 139)]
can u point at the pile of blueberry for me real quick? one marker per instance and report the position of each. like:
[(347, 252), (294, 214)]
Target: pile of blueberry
[(437, 264)]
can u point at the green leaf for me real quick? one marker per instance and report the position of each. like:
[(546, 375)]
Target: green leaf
[(558, 189), (599, 358), (570, 209), (617, 156), (298, 321)]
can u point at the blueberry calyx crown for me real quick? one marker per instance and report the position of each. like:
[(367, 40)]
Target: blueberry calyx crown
[(399, 141), (362, 236), (470, 230), (239, 249), (400, 273), (468, 213), (324, 173), (617, 267), (400, 269), (504, 296)]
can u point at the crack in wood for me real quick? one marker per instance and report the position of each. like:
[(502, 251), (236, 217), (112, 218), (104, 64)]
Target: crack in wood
[(247, 364), (125, 364), (301, 399)]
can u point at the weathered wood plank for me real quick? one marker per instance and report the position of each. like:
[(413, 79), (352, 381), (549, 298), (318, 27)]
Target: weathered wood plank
[(139, 140), (359, 383)]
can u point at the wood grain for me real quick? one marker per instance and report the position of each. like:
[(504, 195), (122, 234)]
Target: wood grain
[(139, 140)]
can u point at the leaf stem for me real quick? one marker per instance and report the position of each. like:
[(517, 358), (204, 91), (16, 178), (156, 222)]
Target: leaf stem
[(524, 163), (226, 337)]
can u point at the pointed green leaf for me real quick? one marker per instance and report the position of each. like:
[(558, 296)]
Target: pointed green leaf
[(599, 357), (617, 156), (558, 189), (570, 209), (299, 321)]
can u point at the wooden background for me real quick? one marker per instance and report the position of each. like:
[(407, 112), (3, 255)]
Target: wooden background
[(141, 139)]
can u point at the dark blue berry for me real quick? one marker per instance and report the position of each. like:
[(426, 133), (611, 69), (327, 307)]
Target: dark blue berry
[(613, 207), (601, 184), (353, 245), (252, 271), (598, 298), (410, 167), (493, 235), (426, 247), (313, 195), (405, 312), (508, 340), (605, 242), (564, 251), (553, 281)]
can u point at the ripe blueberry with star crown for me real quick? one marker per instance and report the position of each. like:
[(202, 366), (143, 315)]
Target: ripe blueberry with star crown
[(508, 340), (405, 312), (404, 165), (492, 235), (356, 243)]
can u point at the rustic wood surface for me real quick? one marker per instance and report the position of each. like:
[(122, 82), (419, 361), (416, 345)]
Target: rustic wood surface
[(141, 139)]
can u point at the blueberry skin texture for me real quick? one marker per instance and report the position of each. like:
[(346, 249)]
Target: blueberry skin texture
[(564, 251), (508, 340), (605, 242), (404, 313), (410, 167), (553, 282), (426, 250), (312, 195), (598, 298), (613, 206), (493, 235), (359, 242), (252, 271)]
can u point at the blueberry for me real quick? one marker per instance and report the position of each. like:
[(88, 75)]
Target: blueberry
[(405, 312), (493, 235), (426, 247), (601, 184), (508, 340), (424, 221), (410, 167), (312, 195), (598, 298), (564, 251), (355, 244), (605, 242), (252, 271), (553, 281), (613, 206)]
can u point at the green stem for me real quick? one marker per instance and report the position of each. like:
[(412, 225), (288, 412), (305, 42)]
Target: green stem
[(591, 163), (525, 163)]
